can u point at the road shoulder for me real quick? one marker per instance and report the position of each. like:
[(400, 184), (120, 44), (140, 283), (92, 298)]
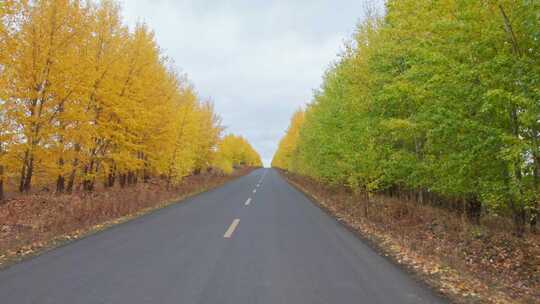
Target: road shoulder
[(35, 246), (444, 280)]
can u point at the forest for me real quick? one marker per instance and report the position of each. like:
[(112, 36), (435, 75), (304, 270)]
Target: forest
[(432, 101), (86, 101)]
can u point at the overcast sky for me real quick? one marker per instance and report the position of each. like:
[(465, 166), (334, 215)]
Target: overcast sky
[(258, 60)]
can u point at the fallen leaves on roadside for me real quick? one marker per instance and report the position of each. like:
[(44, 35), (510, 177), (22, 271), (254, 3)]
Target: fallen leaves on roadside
[(30, 224)]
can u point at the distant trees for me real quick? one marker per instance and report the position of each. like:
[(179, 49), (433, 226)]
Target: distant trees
[(433, 101), (286, 152), (84, 99), (235, 151)]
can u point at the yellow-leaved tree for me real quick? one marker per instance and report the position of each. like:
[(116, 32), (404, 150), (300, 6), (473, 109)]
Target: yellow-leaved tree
[(87, 101), (44, 74), (10, 11), (283, 158), (234, 151)]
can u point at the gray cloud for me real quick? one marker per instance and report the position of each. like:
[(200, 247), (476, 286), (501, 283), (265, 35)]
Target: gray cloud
[(257, 60)]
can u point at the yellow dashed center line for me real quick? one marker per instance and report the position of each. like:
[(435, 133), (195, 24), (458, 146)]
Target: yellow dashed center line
[(231, 229)]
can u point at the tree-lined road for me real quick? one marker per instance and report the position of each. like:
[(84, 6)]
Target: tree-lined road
[(254, 240)]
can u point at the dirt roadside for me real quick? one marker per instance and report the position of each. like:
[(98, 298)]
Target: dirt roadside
[(33, 224)]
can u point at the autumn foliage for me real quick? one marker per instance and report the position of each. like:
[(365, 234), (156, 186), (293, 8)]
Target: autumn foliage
[(86, 101), (235, 151), (437, 102)]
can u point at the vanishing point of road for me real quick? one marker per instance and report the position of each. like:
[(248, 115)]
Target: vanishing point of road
[(253, 240)]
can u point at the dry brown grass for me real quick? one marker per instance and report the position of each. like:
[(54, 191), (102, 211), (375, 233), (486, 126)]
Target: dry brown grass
[(29, 223), (470, 263)]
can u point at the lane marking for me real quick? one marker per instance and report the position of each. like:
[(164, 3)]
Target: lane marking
[(248, 201), (254, 190), (258, 185), (231, 229), (262, 177)]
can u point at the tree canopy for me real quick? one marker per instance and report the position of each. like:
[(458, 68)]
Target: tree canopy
[(85, 99), (436, 99)]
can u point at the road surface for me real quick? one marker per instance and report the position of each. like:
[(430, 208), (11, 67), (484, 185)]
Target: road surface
[(240, 243)]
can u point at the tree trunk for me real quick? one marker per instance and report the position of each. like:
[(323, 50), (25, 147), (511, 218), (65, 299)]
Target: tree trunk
[(75, 164), (60, 184), (366, 205), (111, 177), (146, 168), (71, 181), (131, 178), (60, 181), (1, 183), (474, 210), (122, 180), (1, 176), (520, 221), (421, 196), (88, 182), (88, 185), (534, 218), (519, 213), (536, 175), (28, 175), (23, 172)]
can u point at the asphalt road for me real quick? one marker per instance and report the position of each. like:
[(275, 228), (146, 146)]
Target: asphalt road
[(240, 243)]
